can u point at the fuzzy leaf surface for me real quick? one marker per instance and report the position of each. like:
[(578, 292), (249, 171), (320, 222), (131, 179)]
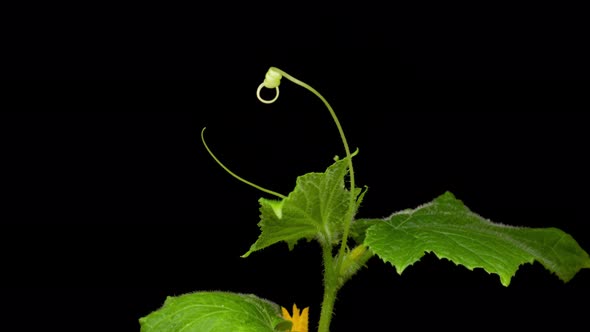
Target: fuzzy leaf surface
[(215, 312), (316, 208), (450, 230)]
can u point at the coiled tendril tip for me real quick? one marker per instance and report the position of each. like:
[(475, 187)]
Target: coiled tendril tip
[(271, 80)]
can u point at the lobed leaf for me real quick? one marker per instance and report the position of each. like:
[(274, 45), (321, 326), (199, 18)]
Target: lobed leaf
[(316, 208), (450, 230), (215, 312)]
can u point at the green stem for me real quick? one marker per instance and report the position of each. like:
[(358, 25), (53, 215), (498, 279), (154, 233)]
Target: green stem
[(330, 288)]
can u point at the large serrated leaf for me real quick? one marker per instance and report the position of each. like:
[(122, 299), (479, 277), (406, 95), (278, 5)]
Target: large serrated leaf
[(215, 312), (316, 208), (450, 230)]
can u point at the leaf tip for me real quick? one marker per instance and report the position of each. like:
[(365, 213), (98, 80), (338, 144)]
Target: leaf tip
[(505, 280)]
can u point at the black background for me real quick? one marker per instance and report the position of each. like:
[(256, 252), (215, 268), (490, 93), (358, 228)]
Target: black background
[(111, 202)]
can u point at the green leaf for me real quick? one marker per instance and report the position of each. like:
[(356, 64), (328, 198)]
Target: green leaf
[(450, 230), (316, 208), (215, 312)]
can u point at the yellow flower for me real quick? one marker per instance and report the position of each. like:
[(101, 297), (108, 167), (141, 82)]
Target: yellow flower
[(299, 319)]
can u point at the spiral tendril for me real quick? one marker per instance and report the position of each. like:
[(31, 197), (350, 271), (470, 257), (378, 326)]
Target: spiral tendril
[(272, 79)]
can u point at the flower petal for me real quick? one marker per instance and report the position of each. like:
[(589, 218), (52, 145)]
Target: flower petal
[(299, 319), (286, 314)]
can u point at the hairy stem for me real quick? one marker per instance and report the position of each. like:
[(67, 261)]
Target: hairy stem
[(330, 288)]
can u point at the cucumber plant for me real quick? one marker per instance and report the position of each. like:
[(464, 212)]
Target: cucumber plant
[(322, 207)]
